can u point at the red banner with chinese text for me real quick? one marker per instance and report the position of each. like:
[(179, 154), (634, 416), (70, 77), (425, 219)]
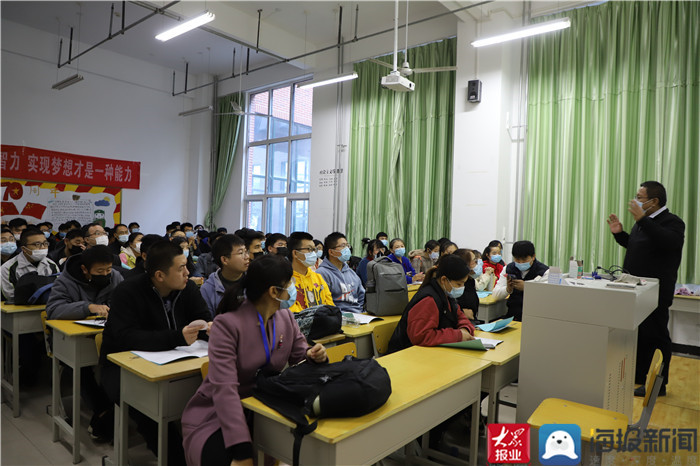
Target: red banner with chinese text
[(29, 163)]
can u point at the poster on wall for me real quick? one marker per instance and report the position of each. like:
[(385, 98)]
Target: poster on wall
[(36, 202)]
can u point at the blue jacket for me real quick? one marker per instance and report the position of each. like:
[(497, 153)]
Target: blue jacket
[(346, 287), (407, 267), (362, 270), (212, 291)]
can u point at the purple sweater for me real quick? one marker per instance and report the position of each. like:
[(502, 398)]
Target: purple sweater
[(236, 352)]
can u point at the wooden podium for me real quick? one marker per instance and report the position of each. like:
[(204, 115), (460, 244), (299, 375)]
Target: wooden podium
[(579, 343)]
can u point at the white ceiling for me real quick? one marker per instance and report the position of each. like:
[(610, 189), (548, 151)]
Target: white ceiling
[(288, 28)]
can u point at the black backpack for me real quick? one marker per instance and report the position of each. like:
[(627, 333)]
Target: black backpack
[(32, 288), (319, 321), (349, 388)]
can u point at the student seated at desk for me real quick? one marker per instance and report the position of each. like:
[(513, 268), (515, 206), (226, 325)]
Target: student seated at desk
[(231, 256), (493, 259), (130, 251), (253, 241), (525, 267), (139, 266), (484, 277), (425, 259), (151, 312), (398, 255), (469, 301), (84, 289), (119, 238), (84, 286), (346, 288), (32, 258), (183, 243), (9, 245), (433, 316), (276, 244), (258, 333), (312, 289), (73, 244), (447, 247), (375, 248), (205, 265)]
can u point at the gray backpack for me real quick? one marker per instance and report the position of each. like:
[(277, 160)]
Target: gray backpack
[(387, 292)]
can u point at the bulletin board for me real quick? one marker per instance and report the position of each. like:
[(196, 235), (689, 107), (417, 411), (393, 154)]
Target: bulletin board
[(37, 201)]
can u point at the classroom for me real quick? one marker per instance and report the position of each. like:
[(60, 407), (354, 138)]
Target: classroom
[(376, 179)]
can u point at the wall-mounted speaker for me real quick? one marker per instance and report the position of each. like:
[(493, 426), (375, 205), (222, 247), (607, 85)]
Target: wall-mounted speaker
[(474, 91)]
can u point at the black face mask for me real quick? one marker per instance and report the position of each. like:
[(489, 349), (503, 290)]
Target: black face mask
[(100, 281), (258, 254), (282, 251), (75, 250)]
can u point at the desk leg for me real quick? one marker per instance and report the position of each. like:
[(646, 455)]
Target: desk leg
[(15, 369), (55, 396), (493, 398), (76, 414), (162, 443), (121, 449), (474, 440), (117, 430)]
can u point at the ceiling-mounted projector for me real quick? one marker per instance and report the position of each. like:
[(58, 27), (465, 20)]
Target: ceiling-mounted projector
[(396, 82)]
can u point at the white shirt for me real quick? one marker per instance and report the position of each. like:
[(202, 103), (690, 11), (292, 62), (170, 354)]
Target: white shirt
[(500, 292), (658, 212)]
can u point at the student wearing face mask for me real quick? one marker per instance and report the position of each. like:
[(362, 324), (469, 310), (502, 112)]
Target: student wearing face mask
[(73, 244), (17, 225), (525, 267), (319, 254), (484, 279), (9, 245), (433, 316), (119, 239), (469, 301), (134, 227), (346, 288), (493, 260), (654, 248), (398, 255), (383, 238), (182, 242), (33, 258), (375, 248), (131, 250), (276, 243), (425, 259), (258, 332), (312, 289), (253, 241)]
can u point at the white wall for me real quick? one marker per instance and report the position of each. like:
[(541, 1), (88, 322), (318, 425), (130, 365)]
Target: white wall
[(485, 158), (123, 109)]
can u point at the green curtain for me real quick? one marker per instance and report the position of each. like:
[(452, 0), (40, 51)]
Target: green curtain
[(400, 157), (612, 102), (229, 127)]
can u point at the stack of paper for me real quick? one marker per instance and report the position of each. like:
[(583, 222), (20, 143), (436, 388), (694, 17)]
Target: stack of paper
[(360, 318), (98, 323), (495, 326), (198, 349), (476, 343)]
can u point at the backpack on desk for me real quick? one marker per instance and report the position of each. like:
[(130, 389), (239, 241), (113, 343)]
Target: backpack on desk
[(349, 388), (32, 288), (319, 321), (387, 292)]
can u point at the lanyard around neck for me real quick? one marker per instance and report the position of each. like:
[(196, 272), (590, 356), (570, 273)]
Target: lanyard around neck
[(268, 349)]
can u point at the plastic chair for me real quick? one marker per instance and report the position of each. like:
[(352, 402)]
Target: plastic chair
[(590, 418), (204, 369), (338, 352), (98, 343), (380, 338)]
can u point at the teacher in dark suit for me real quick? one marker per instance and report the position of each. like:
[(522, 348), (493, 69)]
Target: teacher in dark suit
[(654, 248)]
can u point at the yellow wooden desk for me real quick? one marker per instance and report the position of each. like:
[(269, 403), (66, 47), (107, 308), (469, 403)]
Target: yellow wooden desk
[(362, 334), (504, 359), (427, 389), (74, 346), (490, 309), (158, 391), (330, 340), (412, 290), (17, 320)]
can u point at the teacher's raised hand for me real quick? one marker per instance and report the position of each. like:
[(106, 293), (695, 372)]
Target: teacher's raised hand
[(614, 224)]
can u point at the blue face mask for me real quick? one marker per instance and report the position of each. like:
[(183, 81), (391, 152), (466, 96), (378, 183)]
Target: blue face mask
[(385, 243), (455, 292), (479, 269), (189, 234), (400, 252), (496, 258), (262, 244), (345, 254), (434, 255), (287, 303), (309, 259), (61, 234), (186, 252), (523, 266), (136, 230), (319, 254), (9, 248), (47, 234), (123, 238)]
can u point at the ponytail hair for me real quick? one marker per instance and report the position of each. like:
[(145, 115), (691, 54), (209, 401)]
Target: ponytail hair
[(263, 272), (451, 266)]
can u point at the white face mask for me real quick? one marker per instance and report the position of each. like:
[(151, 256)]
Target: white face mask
[(39, 254), (137, 248), (17, 235), (102, 240)]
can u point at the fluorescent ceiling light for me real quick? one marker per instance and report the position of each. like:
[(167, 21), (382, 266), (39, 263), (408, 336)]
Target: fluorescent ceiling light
[(527, 31), (194, 111), (322, 82), (67, 82), (186, 26)]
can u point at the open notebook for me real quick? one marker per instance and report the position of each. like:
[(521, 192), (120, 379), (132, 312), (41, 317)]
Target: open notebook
[(198, 349), (97, 323), (495, 326), (476, 343), (360, 318)]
